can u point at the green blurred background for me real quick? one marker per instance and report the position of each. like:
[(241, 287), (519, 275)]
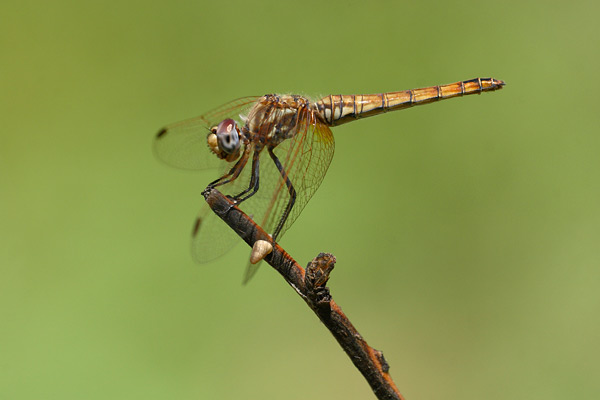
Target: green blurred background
[(466, 232)]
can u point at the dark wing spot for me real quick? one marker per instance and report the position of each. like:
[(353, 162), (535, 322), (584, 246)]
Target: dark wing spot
[(161, 133), (196, 226)]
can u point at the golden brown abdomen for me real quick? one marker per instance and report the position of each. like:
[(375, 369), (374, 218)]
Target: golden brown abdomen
[(339, 109)]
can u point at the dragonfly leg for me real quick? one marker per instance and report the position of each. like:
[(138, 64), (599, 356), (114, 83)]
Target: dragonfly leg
[(234, 172), (291, 190), (254, 181)]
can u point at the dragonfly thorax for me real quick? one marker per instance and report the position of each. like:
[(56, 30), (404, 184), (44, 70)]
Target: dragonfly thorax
[(274, 118)]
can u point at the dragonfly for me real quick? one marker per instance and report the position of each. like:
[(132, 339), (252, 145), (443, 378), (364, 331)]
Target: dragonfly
[(273, 151)]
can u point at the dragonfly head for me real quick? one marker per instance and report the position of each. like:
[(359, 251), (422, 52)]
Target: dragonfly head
[(224, 140)]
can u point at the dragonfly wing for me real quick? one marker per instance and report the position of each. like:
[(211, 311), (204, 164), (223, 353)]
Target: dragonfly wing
[(305, 158), (251, 269), (183, 144), (211, 237)]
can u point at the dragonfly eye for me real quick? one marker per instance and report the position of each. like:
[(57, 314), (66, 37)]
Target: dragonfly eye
[(228, 136)]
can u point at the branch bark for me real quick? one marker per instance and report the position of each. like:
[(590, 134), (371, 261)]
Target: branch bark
[(310, 285)]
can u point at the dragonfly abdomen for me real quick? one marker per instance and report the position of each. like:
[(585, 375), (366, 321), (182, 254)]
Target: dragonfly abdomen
[(339, 109)]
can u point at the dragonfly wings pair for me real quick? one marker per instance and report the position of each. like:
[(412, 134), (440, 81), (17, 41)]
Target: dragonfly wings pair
[(304, 147)]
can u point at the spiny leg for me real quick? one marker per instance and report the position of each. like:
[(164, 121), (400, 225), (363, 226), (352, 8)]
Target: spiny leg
[(234, 172), (291, 190), (254, 180)]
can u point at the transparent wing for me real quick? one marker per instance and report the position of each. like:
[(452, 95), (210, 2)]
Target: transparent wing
[(183, 144), (305, 158), (211, 237)]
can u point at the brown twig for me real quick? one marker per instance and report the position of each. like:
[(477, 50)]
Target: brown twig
[(310, 285)]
